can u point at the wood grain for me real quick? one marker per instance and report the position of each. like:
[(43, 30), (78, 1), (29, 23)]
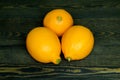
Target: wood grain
[(58, 72), (61, 3), (18, 17)]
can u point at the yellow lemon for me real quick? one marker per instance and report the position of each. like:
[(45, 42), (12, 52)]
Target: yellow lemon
[(77, 42), (43, 45), (58, 20)]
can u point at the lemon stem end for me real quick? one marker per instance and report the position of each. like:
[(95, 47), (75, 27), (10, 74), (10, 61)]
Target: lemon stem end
[(58, 61), (68, 59), (59, 18)]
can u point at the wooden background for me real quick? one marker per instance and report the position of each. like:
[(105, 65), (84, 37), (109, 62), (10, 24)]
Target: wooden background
[(18, 17)]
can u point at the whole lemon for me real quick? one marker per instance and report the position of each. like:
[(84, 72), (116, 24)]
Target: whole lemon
[(77, 43), (43, 45), (58, 20)]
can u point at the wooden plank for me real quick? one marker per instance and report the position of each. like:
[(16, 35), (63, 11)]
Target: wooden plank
[(36, 12), (58, 72), (24, 19), (61, 3)]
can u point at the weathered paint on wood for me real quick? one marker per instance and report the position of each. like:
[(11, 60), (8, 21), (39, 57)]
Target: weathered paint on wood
[(18, 17)]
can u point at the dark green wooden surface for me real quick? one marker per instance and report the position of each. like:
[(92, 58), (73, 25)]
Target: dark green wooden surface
[(18, 17)]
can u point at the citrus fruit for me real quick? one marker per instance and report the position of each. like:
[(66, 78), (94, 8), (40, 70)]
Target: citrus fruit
[(58, 20), (77, 43), (43, 45)]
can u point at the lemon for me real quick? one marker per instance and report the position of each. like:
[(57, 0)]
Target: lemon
[(77, 42), (43, 45)]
